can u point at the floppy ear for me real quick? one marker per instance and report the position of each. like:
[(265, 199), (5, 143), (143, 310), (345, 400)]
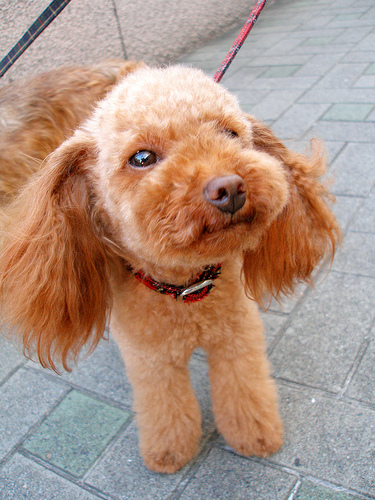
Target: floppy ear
[(53, 270), (304, 232)]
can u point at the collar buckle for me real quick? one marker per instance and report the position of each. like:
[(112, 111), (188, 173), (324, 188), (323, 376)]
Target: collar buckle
[(195, 287)]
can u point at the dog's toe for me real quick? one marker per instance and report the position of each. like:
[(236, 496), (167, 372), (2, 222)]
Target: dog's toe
[(167, 461)]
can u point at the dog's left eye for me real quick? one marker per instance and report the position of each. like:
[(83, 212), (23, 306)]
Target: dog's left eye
[(142, 159)]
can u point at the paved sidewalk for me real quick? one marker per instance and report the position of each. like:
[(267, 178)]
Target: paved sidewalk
[(307, 69)]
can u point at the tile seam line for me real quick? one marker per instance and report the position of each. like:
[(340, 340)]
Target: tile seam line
[(12, 372), (363, 404), (58, 470), (78, 388), (79, 482), (119, 29), (329, 394), (207, 446), (299, 475), (314, 86), (116, 437), (322, 271), (357, 275), (295, 489), (355, 213), (19, 445), (356, 363)]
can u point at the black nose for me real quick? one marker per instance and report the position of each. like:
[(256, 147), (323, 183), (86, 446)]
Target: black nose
[(227, 193)]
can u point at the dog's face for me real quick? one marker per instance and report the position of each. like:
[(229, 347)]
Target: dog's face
[(178, 172)]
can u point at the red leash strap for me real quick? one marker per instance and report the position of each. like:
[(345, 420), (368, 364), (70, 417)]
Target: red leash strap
[(240, 40)]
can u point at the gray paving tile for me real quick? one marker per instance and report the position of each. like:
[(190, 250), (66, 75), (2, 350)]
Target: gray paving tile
[(243, 80), (367, 44), (286, 45), (275, 103), (312, 491), (25, 398), (280, 71), (358, 56), (21, 478), (273, 24), (345, 208), (345, 131), (103, 373), (303, 146), (355, 170), (350, 96), (318, 40), (324, 49), (75, 434), (362, 385), (332, 149), (348, 112), (320, 345), (318, 21), (357, 255), (353, 34), (122, 474), (365, 218), (328, 438), (371, 116), (293, 82), (365, 81), (288, 304), (342, 76), (267, 41), (201, 385), (10, 358), (224, 476), (319, 64), (249, 98), (297, 120), (279, 60), (356, 23), (370, 69), (317, 36), (272, 324)]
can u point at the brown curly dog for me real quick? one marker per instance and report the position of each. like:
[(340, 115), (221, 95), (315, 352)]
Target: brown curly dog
[(162, 213)]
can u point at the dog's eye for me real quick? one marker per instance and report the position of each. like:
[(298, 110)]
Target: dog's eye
[(230, 132), (142, 159)]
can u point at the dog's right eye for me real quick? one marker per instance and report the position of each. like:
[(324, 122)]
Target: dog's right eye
[(142, 159)]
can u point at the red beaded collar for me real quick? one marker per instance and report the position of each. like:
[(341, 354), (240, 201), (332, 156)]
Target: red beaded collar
[(197, 290)]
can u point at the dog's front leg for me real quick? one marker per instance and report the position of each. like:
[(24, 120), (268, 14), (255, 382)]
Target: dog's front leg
[(243, 394), (167, 411)]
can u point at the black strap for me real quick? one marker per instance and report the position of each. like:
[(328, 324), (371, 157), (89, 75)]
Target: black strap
[(47, 16)]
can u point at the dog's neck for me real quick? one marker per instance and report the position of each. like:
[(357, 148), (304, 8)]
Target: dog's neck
[(181, 283), (192, 291)]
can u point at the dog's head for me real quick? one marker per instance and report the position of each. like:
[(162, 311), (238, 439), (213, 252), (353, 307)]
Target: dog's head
[(171, 173), (177, 168)]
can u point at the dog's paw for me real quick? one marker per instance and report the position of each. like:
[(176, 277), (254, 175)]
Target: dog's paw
[(253, 437), (167, 460), (169, 442), (171, 453)]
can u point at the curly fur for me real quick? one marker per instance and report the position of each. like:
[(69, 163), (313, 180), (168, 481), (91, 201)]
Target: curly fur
[(38, 114), (70, 235)]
